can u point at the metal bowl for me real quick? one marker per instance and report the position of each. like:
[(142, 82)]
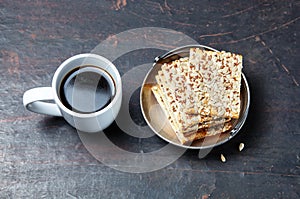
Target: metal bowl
[(157, 120)]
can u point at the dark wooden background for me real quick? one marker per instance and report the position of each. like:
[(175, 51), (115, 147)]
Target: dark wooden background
[(43, 157)]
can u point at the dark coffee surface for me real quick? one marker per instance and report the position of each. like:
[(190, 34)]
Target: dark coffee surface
[(86, 90)]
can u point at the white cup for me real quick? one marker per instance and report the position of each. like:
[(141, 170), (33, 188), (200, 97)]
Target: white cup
[(47, 100)]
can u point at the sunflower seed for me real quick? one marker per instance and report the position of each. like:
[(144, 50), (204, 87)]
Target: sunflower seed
[(223, 159), (241, 146)]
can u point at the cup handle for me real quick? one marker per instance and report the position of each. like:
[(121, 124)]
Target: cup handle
[(36, 100)]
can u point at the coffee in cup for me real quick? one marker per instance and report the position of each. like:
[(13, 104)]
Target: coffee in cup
[(86, 90)]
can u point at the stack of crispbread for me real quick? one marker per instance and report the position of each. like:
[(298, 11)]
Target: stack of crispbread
[(200, 94)]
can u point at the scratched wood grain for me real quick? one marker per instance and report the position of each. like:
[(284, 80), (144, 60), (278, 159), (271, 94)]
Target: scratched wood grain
[(43, 157)]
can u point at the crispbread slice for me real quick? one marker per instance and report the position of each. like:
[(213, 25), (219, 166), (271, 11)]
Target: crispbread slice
[(173, 83), (156, 90), (232, 72), (175, 76), (203, 129), (207, 132), (212, 123), (161, 101), (221, 76), (184, 122)]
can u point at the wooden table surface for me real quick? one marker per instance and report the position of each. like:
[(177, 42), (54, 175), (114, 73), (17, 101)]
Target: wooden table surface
[(43, 157)]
